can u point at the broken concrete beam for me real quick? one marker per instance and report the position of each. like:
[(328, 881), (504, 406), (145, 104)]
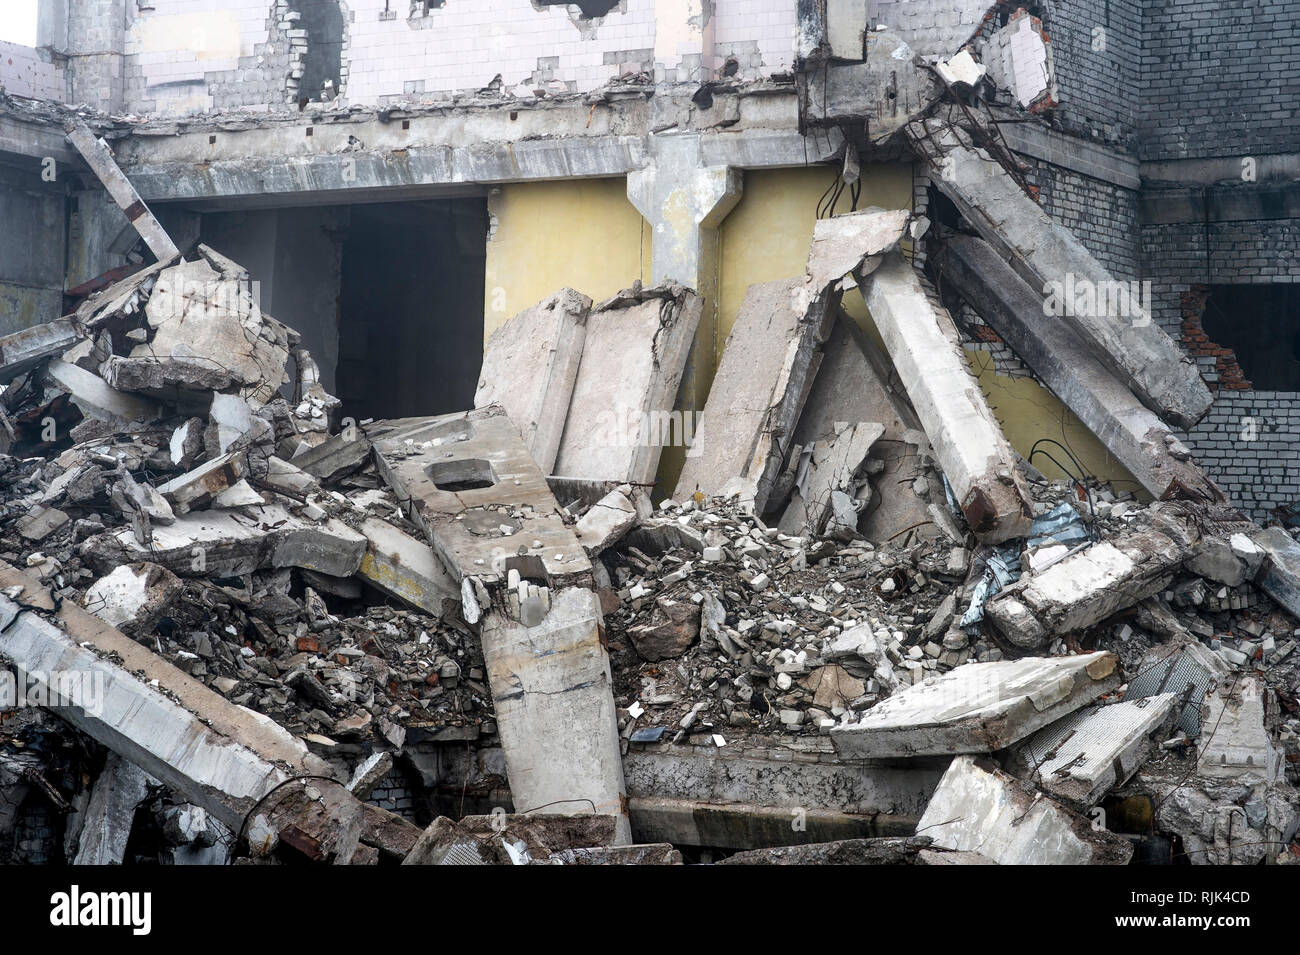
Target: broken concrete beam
[(100, 159), (979, 808), (231, 543), (530, 367), (1080, 758), (968, 442), (195, 489), (833, 467), (405, 568), (621, 413), (316, 821), (25, 349), (655, 853), (552, 691), (883, 851), (467, 481), (1111, 316), (1086, 587), (534, 838), (771, 359), (96, 398), (119, 789), (1059, 356), (219, 756), (606, 522), (978, 708)]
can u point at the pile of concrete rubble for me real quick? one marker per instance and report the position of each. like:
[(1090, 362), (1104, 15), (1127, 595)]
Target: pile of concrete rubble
[(256, 621)]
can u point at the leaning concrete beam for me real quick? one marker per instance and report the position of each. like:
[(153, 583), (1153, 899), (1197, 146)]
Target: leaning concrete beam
[(25, 349), (405, 568), (530, 365), (100, 159), (1118, 329), (968, 442), (978, 708), (218, 755), (1279, 575), (771, 359), (118, 790), (1088, 586), (979, 808), (1058, 356)]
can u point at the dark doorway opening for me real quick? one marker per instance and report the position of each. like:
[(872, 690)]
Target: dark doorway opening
[(411, 308)]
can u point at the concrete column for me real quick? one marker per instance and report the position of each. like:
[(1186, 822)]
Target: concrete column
[(92, 34), (685, 201)]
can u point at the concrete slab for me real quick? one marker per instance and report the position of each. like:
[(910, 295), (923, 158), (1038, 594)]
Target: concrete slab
[(1086, 587), (606, 522), (1059, 356), (471, 486), (25, 349), (1116, 324), (968, 442), (979, 808), (119, 788), (405, 568), (1279, 574), (1080, 758), (96, 398), (979, 707), (530, 367), (634, 355), (1237, 746)]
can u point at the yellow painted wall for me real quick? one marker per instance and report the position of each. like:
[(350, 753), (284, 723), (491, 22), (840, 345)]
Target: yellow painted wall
[(581, 233)]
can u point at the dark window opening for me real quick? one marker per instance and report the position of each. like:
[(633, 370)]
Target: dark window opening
[(421, 8), (590, 8), (323, 61), (1261, 324)]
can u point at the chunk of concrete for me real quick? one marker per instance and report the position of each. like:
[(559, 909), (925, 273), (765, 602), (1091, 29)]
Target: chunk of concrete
[(1060, 357), (337, 455), (530, 368), (1239, 748), (117, 792), (968, 442), (132, 597), (979, 808), (634, 355), (1080, 758), (1119, 329), (606, 522), (194, 490), (1279, 573), (978, 708), (834, 467), (26, 348), (95, 398), (1086, 587)]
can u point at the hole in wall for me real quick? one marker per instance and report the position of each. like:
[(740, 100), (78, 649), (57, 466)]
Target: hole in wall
[(1253, 333)]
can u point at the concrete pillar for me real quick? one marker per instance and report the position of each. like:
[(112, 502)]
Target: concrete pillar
[(685, 201), (92, 34)]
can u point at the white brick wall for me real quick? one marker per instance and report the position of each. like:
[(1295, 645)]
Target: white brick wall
[(458, 47), (24, 73)]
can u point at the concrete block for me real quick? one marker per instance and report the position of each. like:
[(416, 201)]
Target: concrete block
[(979, 707), (405, 568)]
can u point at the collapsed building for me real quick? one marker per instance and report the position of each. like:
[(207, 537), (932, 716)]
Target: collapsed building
[(753, 432)]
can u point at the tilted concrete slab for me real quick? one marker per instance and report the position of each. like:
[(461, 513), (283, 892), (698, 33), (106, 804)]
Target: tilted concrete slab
[(771, 359), (25, 349), (968, 442), (1279, 575), (119, 788), (979, 707), (1240, 748), (1119, 330), (1082, 757), (219, 756), (979, 808), (1088, 586), (634, 355), (467, 481), (530, 366), (405, 568), (1060, 358)]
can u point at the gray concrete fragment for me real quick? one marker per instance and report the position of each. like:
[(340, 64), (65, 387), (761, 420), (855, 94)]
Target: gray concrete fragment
[(968, 442), (1240, 748), (195, 489), (96, 398), (25, 349), (978, 708), (119, 789), (530, 367), (979, 808), (404, 567), (606, 522)]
